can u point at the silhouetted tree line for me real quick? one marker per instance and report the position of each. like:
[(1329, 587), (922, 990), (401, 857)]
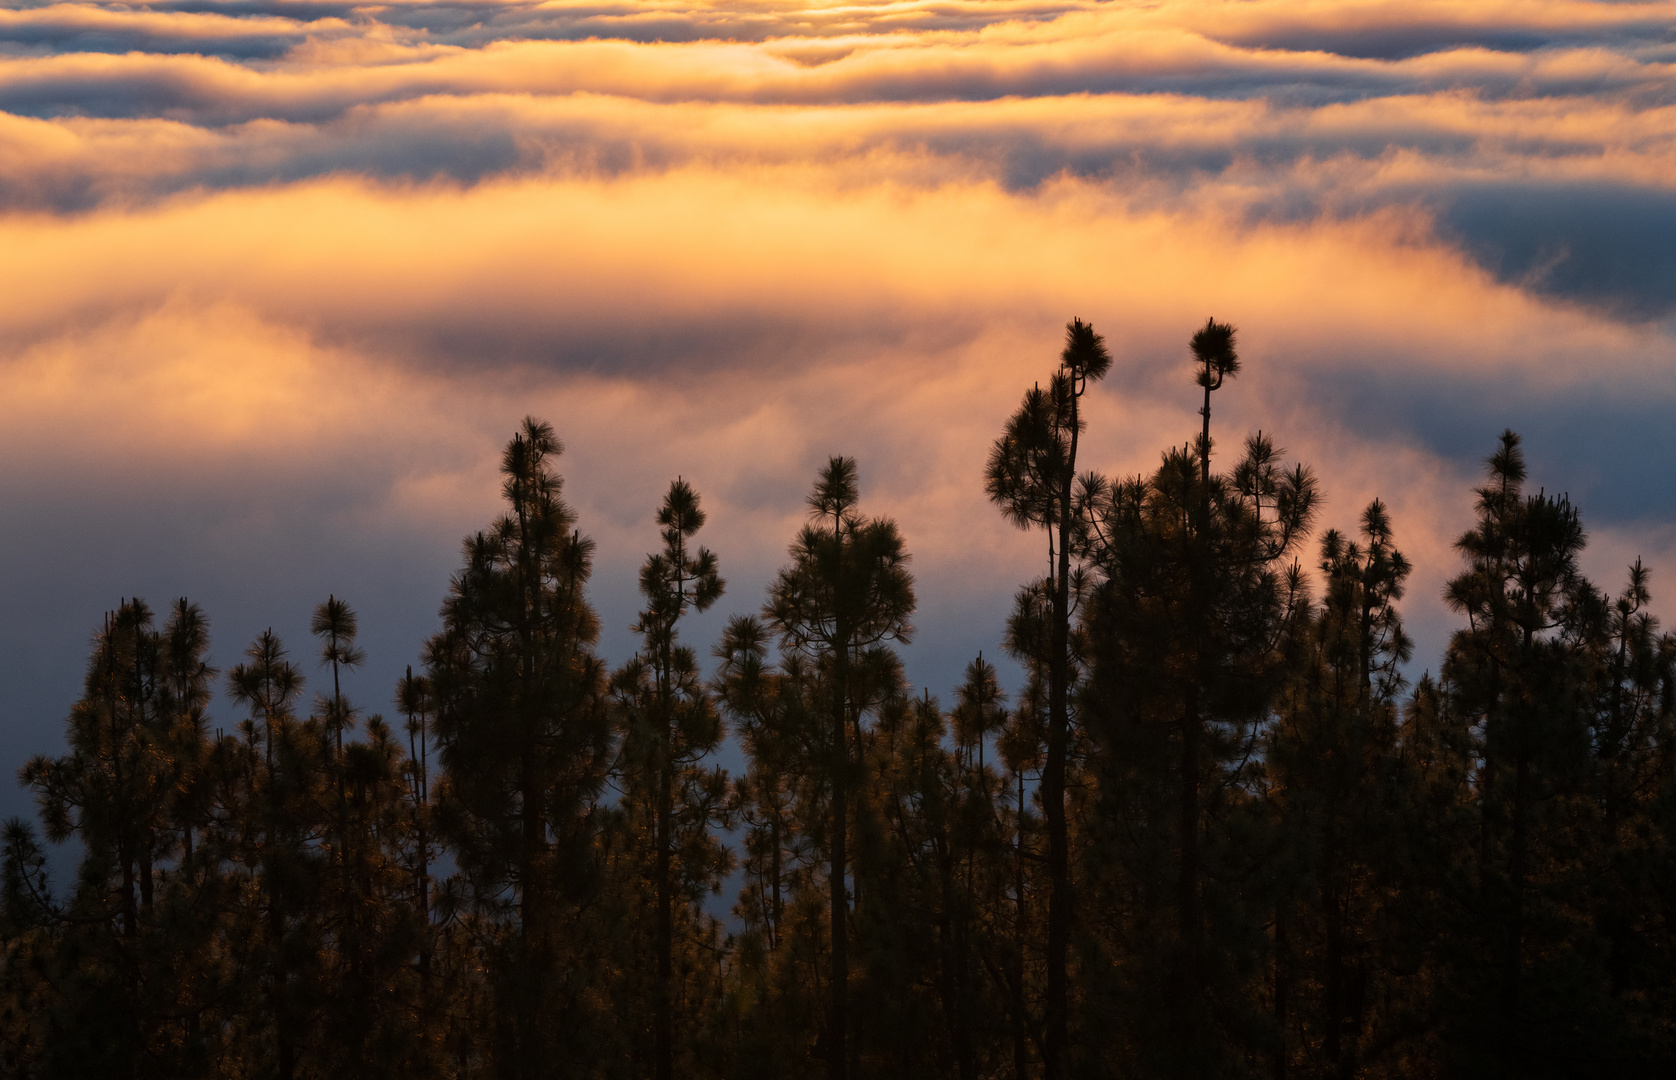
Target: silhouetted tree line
[(1216, 833)]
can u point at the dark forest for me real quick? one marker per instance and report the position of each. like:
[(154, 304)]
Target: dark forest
[(1228, 825)]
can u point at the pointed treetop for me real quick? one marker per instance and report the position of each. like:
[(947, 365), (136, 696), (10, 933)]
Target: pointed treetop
[(334, 623), (413, 693), (533, 441), (1636, 594), (1213, 350), (1507, 464), (524, 463), (132, 614), (269, 681), (980, 703), (188, 632), (677, 577), (680, 514), (1085, 352), (744, 638), (1376, 522), (836, 488)]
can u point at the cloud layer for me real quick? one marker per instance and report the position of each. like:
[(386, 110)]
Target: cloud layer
[(283, 275)]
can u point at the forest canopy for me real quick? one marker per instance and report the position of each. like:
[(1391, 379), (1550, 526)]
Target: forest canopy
[(1220, 829)]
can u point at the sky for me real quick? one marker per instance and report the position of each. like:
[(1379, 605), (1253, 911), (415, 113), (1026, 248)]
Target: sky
[(279, 279)]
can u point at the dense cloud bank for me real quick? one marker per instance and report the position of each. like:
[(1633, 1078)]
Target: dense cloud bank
[(1486, 116), (281, 277)]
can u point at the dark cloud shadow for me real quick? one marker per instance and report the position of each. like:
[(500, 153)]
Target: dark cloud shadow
[(70, 38), (1403, 41), (1610, 247), (1607, 447)]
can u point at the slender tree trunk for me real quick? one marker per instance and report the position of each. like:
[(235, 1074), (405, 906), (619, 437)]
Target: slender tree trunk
[(1333, 991), (663, 1020), (286, 1051), (964, 1053), (774, 864), (1513, 963), (1057, 1006), (664, 1008), (423, 885), (1021, 1044), (283, 1036), (532, 914), (124, 839), (1189, 919), (837, 1058), (531, 909), (343, 800), (1281, 988), (147, 842), (125, 853), (1486, 775), (1188, 974), (424, 916), (529, 797), (954, 973)]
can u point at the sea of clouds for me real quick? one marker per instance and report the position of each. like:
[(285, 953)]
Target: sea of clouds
[(279, 279)]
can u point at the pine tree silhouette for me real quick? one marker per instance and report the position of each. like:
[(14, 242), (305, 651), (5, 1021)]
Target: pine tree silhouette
[(847, 588), (670, 724), (1182, 633), (524, 733), (1032, 476)]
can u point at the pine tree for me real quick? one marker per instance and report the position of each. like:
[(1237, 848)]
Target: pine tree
[(781, 713), (1182, 635), (1328, 767), (979, 714), (415, 702), (268, 684), (911, 935), (351, 1017), (1633, 702), (846, 590), (770, 713), (1272, 862), (670, 725), (1020, 746), (130, 791), (524, 733), (1032, 476), (1509, 671)]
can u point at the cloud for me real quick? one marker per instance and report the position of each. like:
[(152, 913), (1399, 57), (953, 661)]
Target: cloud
[(763, 305), (60, 28), (282, 276), (1609, 245), (1181, 103), (1391, 30), (1103, 51)]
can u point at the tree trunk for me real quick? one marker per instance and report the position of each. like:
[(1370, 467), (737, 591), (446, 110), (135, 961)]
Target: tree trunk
[(664, 1020), (1189, 919), (837, 1058), (1333, 991), (1281, 988), (1513, 962), (1057, 1006), (774, 865), (1021, 1046)]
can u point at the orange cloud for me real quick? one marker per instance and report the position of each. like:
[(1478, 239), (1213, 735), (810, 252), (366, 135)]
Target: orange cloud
[(314, 290)]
